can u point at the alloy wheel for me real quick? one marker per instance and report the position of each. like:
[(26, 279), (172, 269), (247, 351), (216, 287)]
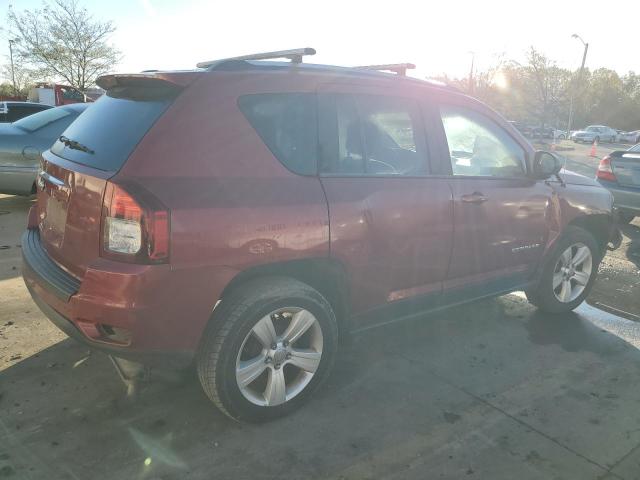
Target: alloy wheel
[(572, 272), (279, 356)]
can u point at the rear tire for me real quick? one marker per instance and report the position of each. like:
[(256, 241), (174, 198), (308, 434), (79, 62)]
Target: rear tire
[(565, 282), (245, 363)]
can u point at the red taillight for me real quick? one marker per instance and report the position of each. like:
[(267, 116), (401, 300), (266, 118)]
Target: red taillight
[(134, 230), (605, 172)]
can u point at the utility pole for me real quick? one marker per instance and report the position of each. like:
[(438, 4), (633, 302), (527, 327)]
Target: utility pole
[(584, 59), (13, 74)]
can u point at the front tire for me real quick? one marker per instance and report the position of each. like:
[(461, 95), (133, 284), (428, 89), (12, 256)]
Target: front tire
[(568, 272), (269, 346)]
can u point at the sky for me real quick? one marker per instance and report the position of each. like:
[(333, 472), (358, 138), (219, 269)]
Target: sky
[(436, 36)]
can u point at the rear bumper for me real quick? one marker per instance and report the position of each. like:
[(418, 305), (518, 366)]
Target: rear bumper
[(624, 198), (157, 313)]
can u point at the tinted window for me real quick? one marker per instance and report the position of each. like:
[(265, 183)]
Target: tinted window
[(370, 135), (286, 123), (479, 147), (40, 119), (111, 128)]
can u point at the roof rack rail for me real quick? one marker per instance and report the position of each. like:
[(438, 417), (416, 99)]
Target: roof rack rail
[(398, 68), (295, 55)]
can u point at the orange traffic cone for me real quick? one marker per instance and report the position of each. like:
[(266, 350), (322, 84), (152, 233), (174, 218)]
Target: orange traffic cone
[(593, 149)]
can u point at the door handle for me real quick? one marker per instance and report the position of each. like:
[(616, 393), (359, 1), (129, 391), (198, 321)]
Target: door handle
[(475, 197)]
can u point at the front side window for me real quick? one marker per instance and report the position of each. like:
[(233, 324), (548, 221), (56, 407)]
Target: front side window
[(370, 135), (286, 123), (479, 147)]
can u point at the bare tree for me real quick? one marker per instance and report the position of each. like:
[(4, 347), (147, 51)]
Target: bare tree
[(547, 84), (23, 76), (63, 41)]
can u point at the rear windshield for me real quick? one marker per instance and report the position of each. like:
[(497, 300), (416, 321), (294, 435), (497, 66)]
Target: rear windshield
[(40, 119), (110, 129)]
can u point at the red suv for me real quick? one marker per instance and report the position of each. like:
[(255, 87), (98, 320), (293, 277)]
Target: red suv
[(246, 215)]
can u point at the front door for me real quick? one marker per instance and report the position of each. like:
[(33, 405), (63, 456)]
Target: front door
[(499, 212), (390, 224)]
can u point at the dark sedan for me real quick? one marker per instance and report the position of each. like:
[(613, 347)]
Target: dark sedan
[(619, 172), (22, 142)]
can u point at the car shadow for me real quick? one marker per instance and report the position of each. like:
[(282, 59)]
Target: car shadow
[(64, 413)]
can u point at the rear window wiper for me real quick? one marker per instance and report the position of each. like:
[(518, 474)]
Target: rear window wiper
[(75, 145)]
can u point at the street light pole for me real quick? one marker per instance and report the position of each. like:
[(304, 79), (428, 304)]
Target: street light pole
[(13, 74), (584, 59), (473, 57)]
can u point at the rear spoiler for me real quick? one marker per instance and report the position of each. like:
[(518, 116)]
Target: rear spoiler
[(176, 80)]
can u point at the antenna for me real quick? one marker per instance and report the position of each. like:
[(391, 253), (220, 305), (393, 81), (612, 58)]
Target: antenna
[(295, 55), (397, 68)]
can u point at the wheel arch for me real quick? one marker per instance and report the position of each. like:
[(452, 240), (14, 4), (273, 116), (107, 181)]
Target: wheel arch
[(327, 276), (597, 225)]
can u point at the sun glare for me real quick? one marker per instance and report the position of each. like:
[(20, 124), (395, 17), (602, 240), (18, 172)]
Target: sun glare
[(501, 81)]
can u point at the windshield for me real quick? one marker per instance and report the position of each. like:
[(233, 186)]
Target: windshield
[(42, 119), (592, 129)]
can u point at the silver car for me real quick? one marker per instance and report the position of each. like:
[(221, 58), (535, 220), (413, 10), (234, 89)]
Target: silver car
[(595, 133), (630, 137), (619, 172), (22, 142)]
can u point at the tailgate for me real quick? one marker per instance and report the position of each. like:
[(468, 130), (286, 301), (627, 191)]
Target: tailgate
[(90, 151), (626, 168), (69, 211)]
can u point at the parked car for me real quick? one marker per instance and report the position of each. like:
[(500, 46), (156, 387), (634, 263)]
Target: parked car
[(559, 134), (543, 132), (22, 142), (13, 111), (595, 133), (619, 172), (525, 130), (630, 137), (247, 215)]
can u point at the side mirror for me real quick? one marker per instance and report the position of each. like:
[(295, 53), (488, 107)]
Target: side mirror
[(546, 164)]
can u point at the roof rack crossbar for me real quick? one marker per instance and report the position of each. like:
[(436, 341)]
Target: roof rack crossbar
[(295, 55), (398, 68)]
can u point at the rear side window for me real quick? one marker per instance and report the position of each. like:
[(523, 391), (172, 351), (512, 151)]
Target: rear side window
[(111, 128), (286, 123)]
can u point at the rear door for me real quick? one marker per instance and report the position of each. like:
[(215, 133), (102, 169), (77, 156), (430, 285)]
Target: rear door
[(499, 212), (390, 222)]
